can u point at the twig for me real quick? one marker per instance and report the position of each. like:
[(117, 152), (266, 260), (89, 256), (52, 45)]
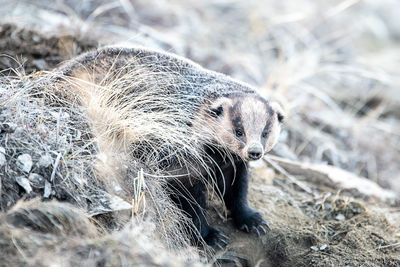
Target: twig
[(390, 245), (58, 125), (55, 167), (289, 176), (19, 249)]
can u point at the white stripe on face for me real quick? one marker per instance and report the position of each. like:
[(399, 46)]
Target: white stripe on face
[(256, 115)]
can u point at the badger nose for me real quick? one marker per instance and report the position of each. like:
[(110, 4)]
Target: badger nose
[(254, 152)]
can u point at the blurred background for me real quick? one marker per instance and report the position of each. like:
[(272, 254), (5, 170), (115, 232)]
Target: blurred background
[(334, 65)]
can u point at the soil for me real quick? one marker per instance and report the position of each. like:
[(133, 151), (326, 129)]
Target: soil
[(327, 227), (28, 51), (329, 230)]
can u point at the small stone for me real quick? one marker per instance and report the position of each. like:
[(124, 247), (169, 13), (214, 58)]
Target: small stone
[(323, 247), (24, 183), (35, 38), (45, 161), (106, 203), (19, 131), (340, 217), (60, 115), (40, 64), (47, 189), (77, 180), (116, 186), (314, 248), (3, 159), (328, 207), (24, 163), (37, 180)]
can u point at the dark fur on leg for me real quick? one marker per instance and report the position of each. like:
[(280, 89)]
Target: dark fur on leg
[(192, 200), (232, 180)]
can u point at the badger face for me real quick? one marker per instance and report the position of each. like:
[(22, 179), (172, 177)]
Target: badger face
[(249, 126)]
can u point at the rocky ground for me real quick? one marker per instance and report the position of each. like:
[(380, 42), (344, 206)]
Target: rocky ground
[(330, 190)]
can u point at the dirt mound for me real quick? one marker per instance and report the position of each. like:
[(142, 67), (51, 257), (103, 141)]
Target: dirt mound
[(39, 233), (28, 51), (319, 229)]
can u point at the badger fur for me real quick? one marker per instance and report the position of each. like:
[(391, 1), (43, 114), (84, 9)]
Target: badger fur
[(226, 123)]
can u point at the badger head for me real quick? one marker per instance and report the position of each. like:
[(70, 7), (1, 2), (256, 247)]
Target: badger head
[(249, 126)]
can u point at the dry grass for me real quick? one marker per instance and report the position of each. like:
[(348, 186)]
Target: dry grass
[(42, 234), (88, 152)]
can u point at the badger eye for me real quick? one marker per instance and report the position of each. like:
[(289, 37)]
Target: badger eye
[(239, 132), (264, 134), (280, 117)]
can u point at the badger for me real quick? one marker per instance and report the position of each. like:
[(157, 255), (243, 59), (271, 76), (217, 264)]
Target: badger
[(225, 122)]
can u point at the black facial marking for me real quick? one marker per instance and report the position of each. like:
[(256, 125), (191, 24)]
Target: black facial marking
[(264, 134), (270, 111), (266, 131), (280, 117), (235, 114), (238, 129), (237, 122), (236, 108), (216, 112), (239, 132)]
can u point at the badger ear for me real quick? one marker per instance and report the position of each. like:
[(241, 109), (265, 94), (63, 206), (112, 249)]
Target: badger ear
[(281, 117), (216, 112), (279, 111), (219, 106)]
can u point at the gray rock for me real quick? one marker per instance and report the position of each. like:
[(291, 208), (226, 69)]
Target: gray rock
[(24, 183), (40, 64), (314, 248), (36, 180), (103, 202), (77, 180), (60, 115), (45, 161), (340, 217), (47, 189), (24, 163)]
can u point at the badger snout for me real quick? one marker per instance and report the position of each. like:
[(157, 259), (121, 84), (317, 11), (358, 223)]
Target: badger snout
[(255, 152)]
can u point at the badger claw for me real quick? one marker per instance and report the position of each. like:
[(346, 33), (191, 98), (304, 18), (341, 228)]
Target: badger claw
[(224, 236), (266, 224), (245, 228), (216, 239), (219, 246), (256, 230), (211, 249), (224, 241), (252, 222), (263, 229)]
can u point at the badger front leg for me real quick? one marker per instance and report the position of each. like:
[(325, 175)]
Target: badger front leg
[(235, 183), (192, 200)]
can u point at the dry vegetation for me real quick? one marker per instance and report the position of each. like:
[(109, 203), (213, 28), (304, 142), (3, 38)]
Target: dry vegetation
[(333, 64)]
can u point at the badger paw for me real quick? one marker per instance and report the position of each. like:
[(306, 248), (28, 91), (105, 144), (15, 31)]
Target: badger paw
[(253, 222), (216, 239)]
